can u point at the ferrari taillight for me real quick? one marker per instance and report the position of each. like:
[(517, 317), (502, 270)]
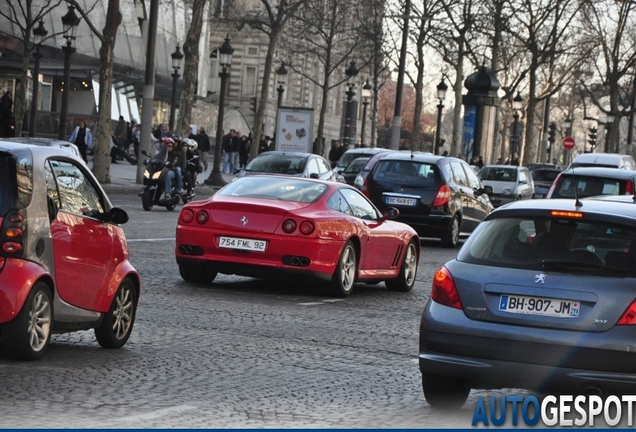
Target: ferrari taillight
[(187, 215), (202, 217), (629, 316), (307, 227), (289, 226), (444, 290), (442, 197)]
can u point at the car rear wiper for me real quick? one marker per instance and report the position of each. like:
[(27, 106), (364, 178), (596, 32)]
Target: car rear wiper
[(555, 264)]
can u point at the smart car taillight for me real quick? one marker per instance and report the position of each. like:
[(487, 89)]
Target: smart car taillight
[(307, 227), (202, 217), (629, 316), (187, 215), (289, 226), (442, 197), (11, 234), (444, 290)]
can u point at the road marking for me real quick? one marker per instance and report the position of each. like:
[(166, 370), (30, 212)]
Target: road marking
[(311, 304), (150, 240), (159, 413)]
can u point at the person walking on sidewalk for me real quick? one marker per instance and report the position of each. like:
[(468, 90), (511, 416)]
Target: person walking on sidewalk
[(203, 141), (82, 138)]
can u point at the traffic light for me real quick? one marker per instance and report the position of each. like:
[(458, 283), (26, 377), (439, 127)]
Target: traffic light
[(592, 137), (552, 132), (253, 104)]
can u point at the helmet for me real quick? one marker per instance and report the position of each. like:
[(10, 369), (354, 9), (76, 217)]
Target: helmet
[(190, 143), (176, 137), (168, 140)]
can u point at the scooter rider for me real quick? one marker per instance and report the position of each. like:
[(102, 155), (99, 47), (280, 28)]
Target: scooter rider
[(173, 164), (193, 166)]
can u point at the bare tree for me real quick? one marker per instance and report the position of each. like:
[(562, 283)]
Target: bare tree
[(25, 16), (191, 64)]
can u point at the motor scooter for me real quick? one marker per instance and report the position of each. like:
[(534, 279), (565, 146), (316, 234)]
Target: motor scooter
[(154, 181)]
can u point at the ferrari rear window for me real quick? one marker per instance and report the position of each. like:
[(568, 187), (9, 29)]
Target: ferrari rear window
[(278, 164), (275, 188), (556, 243)]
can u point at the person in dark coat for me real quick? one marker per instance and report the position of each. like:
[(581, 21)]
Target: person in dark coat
[(263, 145), (203, 141)]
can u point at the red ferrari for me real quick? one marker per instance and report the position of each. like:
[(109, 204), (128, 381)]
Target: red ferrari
[(267, 226)]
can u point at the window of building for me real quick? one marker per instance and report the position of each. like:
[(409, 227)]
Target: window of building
[(249, 81)]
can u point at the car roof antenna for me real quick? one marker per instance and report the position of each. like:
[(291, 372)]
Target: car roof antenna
[(577, 203)]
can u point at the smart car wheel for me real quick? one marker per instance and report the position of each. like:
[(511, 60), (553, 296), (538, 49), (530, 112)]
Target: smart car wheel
[(146, 199), (445, 392), (196, 275), (27, 336), (115, 328), (450, 237), (345, 275), (406, 278)]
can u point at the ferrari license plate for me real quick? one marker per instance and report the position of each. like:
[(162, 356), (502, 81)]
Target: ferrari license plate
[(539, 306), (410, 202), (242, 244)]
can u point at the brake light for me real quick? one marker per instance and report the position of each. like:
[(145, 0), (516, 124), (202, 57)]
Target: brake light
[(289, 226), (444, 290), (307, 227), (629, 189), (187, 215), (556, 181), (443, 196), (365, 188), (11, 247), (12, 233), (202, 217), (629, 316), (566, 214)]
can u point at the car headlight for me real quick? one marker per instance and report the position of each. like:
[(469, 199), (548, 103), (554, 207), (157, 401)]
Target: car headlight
[(507, 191), (156, 175)]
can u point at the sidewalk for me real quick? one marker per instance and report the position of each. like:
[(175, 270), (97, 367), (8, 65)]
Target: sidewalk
[(123, 178)]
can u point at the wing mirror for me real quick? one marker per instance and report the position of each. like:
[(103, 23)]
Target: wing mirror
[(115, 215), (390, 213), (314, 175)]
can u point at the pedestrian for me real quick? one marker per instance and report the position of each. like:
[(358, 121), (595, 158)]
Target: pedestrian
[(82, 138), (244, 151), (228, 149), (119, 135), (203, 141), (480, 162), (515, 159), (263, 145), (335, 153)]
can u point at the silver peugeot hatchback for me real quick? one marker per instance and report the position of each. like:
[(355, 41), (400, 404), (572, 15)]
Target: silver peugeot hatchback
[(542, 296)]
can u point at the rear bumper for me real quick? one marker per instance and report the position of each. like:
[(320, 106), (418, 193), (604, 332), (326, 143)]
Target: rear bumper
[(16, 279), (491, 355), (432, 225)]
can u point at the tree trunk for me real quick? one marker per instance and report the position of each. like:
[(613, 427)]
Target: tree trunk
[(191, 65), (456, 147), (101, 161), (318, 147), (529, 147)]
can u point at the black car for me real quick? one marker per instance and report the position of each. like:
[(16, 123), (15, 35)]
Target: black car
[(438, 196), (543, 177), (353, 169), (586, 182)]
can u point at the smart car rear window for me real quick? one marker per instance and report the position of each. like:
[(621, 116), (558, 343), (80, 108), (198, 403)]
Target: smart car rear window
[(16, 181), (538, 242)]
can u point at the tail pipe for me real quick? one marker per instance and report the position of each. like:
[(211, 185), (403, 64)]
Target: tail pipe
[(296, 261), (190, 250)]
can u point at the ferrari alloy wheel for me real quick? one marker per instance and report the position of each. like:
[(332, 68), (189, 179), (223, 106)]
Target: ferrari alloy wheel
[(445, 392), (450, 237), (345, 275), (117, 324), (27, 336), (406, 278), (196, 274), (146, 199)]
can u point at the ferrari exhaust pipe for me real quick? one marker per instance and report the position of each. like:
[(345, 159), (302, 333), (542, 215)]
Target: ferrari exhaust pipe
[(295, 261), (304, 262)]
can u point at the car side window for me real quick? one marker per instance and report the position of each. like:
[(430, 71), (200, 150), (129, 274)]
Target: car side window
[(323, 166), (523, 179), (473, 180), (312, 167), (51, 185), (76, 193), (459, 176), (338, 203), (360, 206)]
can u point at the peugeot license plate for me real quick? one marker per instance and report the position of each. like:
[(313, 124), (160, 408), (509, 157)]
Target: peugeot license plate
[(539, 306), (410, 202), (242, 244)]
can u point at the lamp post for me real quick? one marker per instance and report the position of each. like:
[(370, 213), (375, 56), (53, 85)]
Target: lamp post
[(38, 33), (70, 21), (441, 95), (567, 125), (609, 121), (516, 106), (366, 94), (352, 73), (225, 59), (281, 73), (177, 56)]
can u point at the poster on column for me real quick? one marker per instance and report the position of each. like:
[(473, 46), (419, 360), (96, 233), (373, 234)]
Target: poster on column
[(470, 115), (294, 131)]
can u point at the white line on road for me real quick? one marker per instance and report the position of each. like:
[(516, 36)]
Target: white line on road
[(150, 240), (159, 413)]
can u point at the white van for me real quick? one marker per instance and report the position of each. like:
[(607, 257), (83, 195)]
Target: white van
[(607, 160)]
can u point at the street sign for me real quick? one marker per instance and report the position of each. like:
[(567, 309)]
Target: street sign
[(568, 143)]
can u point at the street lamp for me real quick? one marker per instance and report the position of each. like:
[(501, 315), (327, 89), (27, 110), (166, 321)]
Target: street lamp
[(352, 73), (516, 106), (281, 73), (366, 94), (177, 56), (39, 33), (225, 59), (70, 21), (441, 95)]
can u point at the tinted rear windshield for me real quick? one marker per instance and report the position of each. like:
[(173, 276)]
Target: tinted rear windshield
[(413, 173), (275, 188), (498, 174), (281, 164), (587, 186), (544, 175), (539, 243)]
